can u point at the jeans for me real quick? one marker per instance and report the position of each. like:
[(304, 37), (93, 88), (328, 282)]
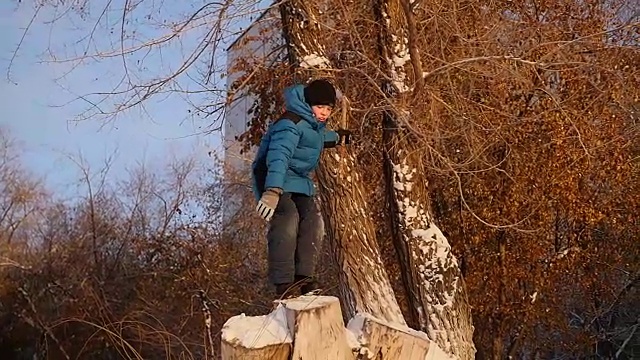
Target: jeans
[(294, 238)]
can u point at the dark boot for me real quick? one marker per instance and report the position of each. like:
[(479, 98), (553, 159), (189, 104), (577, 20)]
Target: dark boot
[(285, 290), (306, 283)]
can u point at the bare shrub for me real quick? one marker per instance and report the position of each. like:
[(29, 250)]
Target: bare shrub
[(130, 271)]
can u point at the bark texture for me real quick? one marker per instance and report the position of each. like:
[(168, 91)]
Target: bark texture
[(364, 284), (431, 273), (318, 329)]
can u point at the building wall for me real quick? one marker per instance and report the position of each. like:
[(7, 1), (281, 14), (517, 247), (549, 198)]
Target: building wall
[(255, 44)]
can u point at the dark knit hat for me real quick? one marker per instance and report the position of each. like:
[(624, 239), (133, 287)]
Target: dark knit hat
[(320, 92)]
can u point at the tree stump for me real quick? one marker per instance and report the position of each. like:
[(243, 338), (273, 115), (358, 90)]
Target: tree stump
[(317, 328), (312, 328), (256, 337), (380, 340)]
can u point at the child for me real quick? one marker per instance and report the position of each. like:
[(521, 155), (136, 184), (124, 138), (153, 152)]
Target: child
[(288, 153)]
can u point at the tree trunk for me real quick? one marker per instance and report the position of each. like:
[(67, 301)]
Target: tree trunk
[(364, 283), (430, 270), (434, 281)]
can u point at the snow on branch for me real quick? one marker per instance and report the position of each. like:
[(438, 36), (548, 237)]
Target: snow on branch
[(398, 55), (314, 61)]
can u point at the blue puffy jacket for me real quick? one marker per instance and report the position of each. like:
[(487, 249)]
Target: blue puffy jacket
[(289, 152)]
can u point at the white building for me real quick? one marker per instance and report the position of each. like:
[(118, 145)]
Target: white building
[(257, 45)]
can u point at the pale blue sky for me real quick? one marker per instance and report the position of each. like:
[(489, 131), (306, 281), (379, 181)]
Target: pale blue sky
[(30, 99)]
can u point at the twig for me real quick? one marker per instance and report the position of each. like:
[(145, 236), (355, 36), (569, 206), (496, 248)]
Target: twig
[(24, 35), (628, 286), (626, 341), (207, 322), (9, 262), (481, 58)]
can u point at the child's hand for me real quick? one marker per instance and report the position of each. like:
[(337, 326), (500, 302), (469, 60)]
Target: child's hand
[(267, 204), (344, 136)]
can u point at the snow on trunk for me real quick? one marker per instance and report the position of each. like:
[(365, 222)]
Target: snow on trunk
[(430, 271), (438, 293), (364, 283)]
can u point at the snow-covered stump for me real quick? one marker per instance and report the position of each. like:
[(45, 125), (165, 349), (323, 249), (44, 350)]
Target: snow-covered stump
[(312, 328), (317, 328), (379, 340), (257, 337)]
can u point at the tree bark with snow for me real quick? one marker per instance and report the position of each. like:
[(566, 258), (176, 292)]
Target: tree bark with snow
[(430, 271), (364, 283)]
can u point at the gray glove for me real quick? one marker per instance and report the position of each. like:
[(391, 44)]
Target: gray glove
[(268, 202)]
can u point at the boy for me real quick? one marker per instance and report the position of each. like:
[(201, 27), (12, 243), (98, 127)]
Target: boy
[(289, 152)]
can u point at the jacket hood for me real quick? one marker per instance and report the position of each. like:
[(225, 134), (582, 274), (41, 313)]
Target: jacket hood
[(294, 101)]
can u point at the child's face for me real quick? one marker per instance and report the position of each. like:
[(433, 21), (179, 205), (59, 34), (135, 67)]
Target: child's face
[(321, 112)]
